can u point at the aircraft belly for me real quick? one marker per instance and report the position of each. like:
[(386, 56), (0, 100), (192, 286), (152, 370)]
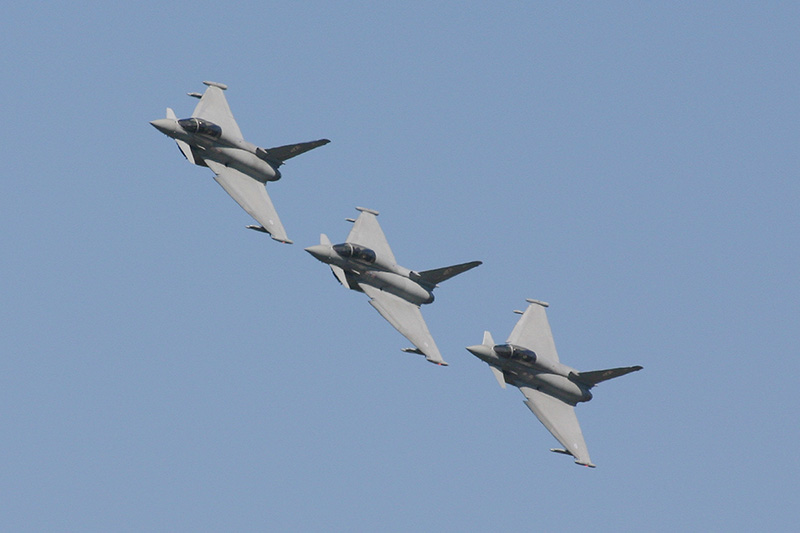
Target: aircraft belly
[(397, 285), (554, 385), (244, 162)]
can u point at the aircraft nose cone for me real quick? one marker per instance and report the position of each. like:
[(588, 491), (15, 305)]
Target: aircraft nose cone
[(164, 125), (319, 251), (479, 350)]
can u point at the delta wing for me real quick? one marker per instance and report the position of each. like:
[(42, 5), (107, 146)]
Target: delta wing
[(367, 232), (214, 107), (407, 319), (252, 196), (533, 332), (559, 418)]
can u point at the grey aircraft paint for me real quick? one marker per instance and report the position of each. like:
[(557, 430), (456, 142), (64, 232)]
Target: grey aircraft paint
[(365, 263), (211, 138), (529, 360)]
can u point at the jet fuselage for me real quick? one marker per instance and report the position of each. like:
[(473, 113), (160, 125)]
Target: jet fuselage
[(362, 266), (212, 143), (522, 368)]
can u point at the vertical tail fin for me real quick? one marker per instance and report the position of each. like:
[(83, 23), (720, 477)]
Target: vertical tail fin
[(487, 339)]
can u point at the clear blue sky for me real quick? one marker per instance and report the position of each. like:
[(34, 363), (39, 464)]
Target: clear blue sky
[(163, 369)]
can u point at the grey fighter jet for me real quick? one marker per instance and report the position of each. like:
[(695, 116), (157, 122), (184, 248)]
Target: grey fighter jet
[(211, 138), (365, 263), (529, 360)]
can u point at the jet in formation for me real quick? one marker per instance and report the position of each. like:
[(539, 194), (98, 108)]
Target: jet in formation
[(365, 263), (211, 138), (528, 360)]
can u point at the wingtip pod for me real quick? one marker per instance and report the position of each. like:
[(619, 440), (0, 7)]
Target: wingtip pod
[(577, 461), (262, 229), (367, 210), (439, 362), (215, 84), (538, 302)]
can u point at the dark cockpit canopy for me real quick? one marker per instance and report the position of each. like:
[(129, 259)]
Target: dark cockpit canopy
[(354, 251), (516, 353), (198, 125)]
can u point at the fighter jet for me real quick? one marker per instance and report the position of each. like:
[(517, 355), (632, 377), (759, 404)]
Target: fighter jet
[(365, 263), (529, 360), (211, 138)]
